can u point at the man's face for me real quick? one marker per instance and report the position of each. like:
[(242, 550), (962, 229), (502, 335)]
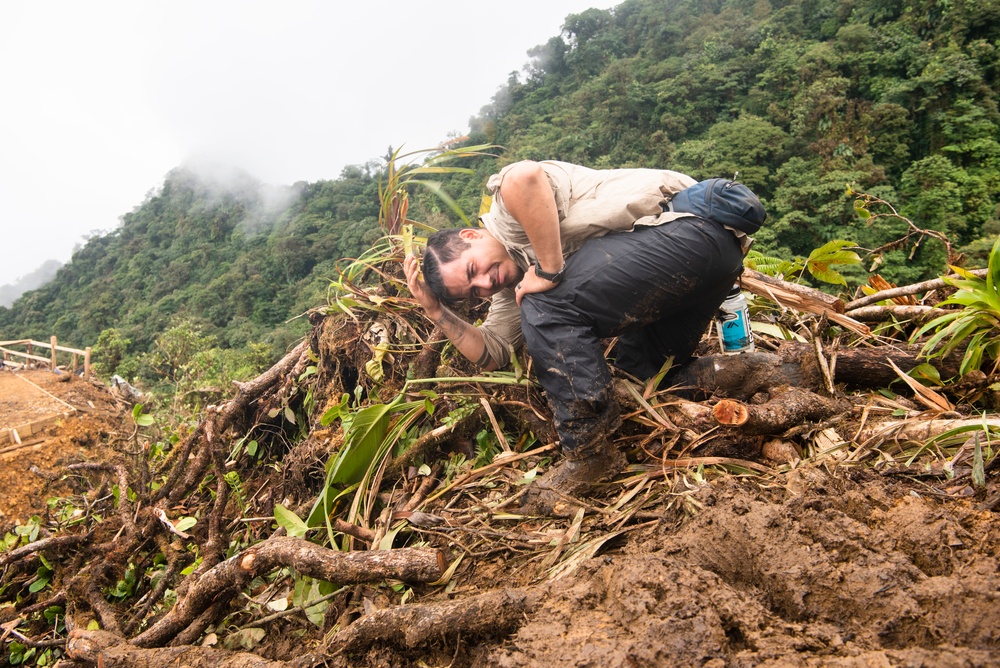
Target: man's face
[(482, 270)]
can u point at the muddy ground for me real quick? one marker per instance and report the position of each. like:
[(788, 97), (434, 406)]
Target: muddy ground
[(816, 569), (819, 565), (34, 470)]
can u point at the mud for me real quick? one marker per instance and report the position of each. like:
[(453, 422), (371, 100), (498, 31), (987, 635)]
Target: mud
[(36, 472), (825, 571)]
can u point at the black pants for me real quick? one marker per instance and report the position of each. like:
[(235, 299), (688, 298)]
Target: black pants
[(655, 288)]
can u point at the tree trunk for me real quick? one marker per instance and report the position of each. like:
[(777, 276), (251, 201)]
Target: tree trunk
[(741, 376)]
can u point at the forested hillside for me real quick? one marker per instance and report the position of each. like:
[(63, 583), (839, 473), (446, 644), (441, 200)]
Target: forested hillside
[(800, 98)]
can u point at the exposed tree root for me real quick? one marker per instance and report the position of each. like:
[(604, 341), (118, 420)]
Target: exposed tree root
[(100, 648), (409, 565), (495, 613)]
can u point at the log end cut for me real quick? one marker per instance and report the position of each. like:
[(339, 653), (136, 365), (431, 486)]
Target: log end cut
[(730, 412)]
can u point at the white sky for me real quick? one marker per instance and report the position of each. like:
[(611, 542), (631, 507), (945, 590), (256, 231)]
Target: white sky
[(100, 99)]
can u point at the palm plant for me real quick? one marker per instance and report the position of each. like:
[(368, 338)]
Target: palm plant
[(976, 323)]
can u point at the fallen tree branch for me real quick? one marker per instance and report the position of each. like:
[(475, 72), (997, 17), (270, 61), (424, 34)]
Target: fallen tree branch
[(801, 298), (920, 431), (409, 565), (905, 290), (55, 543), (785, 410), (100, 648), (493, 614), (793, 293), (918, 314)]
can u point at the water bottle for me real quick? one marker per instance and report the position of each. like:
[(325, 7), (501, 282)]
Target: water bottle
[(733, 323)]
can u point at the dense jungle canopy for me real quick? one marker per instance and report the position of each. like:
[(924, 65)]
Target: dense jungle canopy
[(799, 97)]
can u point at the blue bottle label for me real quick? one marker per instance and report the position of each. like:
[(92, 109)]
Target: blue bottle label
[(735, 331)]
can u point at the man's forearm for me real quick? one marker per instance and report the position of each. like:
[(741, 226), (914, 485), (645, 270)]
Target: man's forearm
[(466, 338)]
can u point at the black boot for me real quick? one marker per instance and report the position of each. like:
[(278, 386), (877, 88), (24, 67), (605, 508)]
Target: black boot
[(583, 468)]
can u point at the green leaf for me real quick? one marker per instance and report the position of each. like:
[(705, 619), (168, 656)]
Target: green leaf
[(185, 523), (368, 428), (294, 525), (290, 414), (140, 418)]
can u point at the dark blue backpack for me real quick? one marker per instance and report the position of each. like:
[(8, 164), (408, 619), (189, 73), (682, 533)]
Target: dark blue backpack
[(727, 202)]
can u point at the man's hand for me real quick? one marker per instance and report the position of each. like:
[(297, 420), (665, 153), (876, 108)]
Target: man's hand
[(532, 283), (465, 337), (428, 302)]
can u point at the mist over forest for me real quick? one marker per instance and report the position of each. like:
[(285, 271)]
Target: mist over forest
[(801, 98)]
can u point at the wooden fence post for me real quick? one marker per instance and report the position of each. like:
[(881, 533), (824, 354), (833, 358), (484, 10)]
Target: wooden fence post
[(53, 341), (86, 362)]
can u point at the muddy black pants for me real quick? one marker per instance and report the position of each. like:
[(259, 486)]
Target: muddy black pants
[(655, 288)]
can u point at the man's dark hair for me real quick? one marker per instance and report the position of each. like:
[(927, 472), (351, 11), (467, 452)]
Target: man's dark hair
[(443, 246)]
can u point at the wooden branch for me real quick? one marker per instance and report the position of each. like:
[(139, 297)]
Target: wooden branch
[(493, 614), (409, 565), (801, 298), (905, 290), (100, 648), (918, 314), (218, 419), (435, 437), (766, 286), (791, 407), (920, 431), (57, 544)]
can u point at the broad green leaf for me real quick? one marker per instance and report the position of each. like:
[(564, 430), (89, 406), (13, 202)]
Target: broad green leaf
[(185, 523), (291, 522)]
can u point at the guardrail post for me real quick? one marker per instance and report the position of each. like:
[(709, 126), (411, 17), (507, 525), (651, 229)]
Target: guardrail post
[(53, 340), (86, 362)]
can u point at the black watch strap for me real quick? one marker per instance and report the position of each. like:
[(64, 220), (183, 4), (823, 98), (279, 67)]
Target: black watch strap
[(552, 278)]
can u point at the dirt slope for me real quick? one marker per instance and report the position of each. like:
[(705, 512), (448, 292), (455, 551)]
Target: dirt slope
[(33, 471)]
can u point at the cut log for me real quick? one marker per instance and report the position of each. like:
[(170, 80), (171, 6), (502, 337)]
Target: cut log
[(730, 412), (745, 429), (496, 613), (741, 376), (787, 408)]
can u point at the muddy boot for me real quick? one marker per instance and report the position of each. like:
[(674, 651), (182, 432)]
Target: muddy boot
[(583, 468)]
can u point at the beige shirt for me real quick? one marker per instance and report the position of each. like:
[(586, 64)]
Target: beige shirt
[(591, 203)]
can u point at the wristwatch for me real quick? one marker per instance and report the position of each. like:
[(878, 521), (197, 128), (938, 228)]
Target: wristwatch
[(551, 278)]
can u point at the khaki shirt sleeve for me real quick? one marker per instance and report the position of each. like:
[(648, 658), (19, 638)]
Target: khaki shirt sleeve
[(619, 199), (502, 328)]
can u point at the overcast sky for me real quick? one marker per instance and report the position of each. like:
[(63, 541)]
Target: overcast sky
[(100, 99)]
